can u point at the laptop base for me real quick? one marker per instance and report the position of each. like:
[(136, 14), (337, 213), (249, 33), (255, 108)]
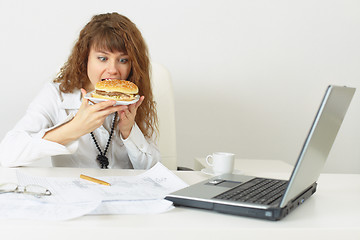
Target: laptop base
[(271, 213)]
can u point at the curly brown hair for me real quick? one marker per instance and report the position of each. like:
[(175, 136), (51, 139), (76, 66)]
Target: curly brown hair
[(113, 32)]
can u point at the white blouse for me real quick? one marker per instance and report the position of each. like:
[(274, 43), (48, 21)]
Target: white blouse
[(50, 109)]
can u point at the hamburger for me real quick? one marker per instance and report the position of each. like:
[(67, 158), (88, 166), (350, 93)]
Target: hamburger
[(114, 89)]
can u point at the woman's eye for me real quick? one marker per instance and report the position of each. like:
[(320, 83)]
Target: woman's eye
[(124, 60), (102, 59)]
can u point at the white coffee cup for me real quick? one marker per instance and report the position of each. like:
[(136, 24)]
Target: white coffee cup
[(222, 162)]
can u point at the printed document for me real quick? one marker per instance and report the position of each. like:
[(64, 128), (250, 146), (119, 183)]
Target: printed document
[(140, 194)]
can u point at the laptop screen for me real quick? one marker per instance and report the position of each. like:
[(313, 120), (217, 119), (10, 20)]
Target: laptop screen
[(319, 141)]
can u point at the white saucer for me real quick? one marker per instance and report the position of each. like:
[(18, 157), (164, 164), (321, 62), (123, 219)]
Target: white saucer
[(210, 172)]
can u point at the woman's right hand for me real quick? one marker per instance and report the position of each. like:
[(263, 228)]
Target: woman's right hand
[(90, 117), (87, 119)]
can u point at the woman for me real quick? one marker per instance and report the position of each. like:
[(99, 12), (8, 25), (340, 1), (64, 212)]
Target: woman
[(62, 124)]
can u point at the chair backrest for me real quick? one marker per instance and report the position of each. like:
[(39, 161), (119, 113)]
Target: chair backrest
[(164, 97)]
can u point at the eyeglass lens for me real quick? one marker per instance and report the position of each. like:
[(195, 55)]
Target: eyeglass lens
[(8, 187)]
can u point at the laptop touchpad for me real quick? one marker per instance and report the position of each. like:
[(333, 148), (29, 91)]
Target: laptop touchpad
[(223, 183)]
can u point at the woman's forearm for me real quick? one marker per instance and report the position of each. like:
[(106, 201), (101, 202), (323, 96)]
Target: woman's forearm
[(64, 134)]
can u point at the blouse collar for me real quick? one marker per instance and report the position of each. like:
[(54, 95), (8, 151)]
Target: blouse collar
[(71, 100)]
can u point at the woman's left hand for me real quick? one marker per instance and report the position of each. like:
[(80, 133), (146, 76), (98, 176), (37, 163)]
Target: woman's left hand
[(127, 118)]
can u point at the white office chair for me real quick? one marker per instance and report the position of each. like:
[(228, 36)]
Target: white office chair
[(164, 97)]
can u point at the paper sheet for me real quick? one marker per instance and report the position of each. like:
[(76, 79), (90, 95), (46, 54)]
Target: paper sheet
[(133, 207), (24, 207), (152, 184), (141, 194)]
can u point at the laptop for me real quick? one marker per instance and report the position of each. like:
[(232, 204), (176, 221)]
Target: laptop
[(273, 199)]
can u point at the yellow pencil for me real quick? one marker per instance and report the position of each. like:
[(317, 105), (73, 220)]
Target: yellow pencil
[(91, 179)]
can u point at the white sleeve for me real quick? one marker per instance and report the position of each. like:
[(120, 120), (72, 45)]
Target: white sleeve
[(143, 154), (24, 144)]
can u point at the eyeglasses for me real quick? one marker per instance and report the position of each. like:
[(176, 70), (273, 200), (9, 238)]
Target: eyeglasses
[(35, 190)]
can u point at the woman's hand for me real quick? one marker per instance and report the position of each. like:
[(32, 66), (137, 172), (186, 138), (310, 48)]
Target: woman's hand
[(87, 119), (90, 117), (127, 118)]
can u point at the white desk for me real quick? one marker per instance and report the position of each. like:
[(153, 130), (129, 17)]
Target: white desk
[(333, 212)]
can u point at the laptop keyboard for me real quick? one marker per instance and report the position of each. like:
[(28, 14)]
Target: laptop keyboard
[(258, 190)]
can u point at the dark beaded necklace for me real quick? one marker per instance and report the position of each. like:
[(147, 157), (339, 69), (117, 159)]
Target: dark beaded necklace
[(102, 159)]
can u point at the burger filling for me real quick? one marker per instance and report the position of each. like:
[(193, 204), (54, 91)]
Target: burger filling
[(114, 94)]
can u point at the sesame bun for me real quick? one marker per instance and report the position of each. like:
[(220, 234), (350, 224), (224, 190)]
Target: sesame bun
[(114, 89)]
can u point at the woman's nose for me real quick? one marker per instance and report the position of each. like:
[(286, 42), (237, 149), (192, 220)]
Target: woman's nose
[(111, 68)]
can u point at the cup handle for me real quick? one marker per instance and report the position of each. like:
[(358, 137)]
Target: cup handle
[(208, 162)]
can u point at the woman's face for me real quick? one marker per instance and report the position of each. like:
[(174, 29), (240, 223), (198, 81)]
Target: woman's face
[(104, 65)]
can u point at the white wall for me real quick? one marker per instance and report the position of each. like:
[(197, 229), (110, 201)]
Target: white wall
[(248, 75)]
